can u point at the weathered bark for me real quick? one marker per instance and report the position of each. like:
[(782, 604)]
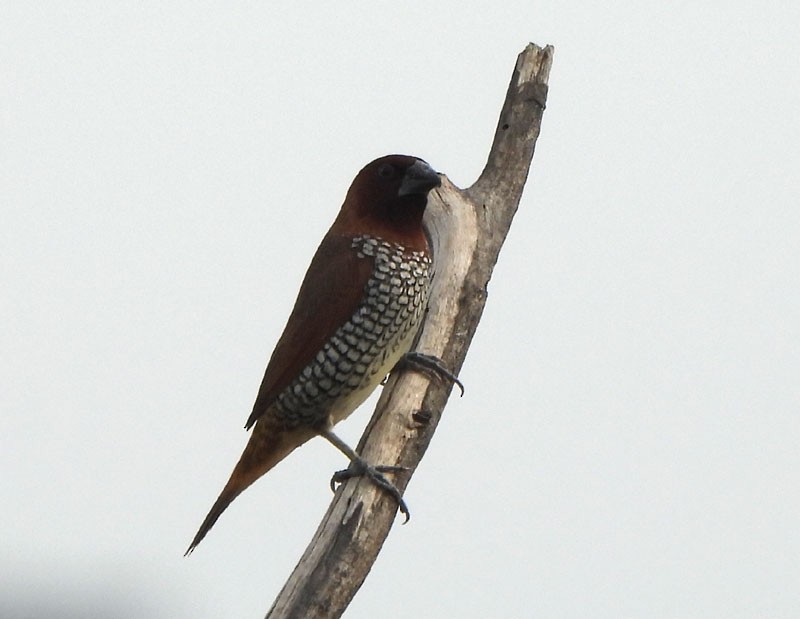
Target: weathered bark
[(467, 228)]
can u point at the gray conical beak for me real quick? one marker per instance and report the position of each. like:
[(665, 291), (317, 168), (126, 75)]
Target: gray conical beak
[(420, 178)]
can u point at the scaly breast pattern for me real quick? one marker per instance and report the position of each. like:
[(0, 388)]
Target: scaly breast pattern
[(364, 349)]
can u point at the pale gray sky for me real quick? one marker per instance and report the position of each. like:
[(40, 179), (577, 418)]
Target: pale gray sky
[(628, 444)]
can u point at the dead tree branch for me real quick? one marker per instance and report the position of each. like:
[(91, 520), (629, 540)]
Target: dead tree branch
[(467, 228)]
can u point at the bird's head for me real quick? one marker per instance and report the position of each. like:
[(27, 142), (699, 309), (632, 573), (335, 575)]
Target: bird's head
[(387, 199)]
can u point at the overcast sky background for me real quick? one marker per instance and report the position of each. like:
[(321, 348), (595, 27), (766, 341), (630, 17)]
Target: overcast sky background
[(628, 444)]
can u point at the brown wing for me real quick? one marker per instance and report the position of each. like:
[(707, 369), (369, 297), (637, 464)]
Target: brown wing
[(332, 290)]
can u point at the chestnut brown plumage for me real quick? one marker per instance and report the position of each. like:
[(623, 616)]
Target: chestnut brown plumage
[(357, 312)]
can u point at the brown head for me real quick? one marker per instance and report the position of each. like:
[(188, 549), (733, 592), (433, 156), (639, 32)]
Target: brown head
[(387, 199)]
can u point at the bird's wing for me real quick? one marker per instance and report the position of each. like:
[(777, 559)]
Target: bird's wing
[(332, 291)]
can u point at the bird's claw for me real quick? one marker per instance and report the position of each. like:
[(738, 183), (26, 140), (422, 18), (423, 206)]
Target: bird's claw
[(359, 468), (431, 365)]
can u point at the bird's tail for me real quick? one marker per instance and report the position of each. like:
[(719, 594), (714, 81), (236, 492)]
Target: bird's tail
[(267, 446)]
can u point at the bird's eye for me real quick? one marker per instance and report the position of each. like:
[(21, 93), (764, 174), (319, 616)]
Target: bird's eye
[(386, 170)]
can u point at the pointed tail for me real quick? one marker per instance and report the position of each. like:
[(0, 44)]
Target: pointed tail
[(267, 446)]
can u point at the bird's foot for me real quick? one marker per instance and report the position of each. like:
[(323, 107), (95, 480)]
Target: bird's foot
[(359, 468), (430, 365)]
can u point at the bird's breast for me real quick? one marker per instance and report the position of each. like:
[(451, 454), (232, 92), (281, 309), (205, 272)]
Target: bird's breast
[(364, 349)]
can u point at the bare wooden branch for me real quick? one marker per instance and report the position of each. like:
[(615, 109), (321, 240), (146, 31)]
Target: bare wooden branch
[(467, 228)]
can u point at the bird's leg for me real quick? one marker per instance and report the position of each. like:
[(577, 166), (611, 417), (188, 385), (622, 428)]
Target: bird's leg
[(360, 468), (430, 365)]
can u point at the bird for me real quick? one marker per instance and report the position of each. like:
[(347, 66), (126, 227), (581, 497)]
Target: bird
[(356, 316)]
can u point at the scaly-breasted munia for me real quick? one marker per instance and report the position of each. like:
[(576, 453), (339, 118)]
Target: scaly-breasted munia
[(356, 315)]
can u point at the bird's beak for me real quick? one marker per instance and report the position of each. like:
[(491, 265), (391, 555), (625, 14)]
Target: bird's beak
[(420, 178)]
